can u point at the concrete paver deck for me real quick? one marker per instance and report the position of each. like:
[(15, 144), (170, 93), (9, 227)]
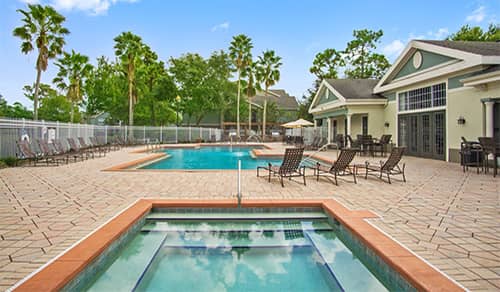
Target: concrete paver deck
[(450, 218)]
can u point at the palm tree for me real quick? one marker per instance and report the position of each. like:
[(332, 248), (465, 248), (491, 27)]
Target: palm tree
[(74, 68), (251, 85), (129, 48), (152, 70), (269, 73), (42, 28), (240, 53)]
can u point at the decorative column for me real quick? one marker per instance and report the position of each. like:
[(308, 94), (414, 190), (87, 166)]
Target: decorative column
[(348, 117), (489, 117), (329, 132)]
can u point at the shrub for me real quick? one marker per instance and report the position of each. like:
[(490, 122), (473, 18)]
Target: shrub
[(2, 164), (9, 161)]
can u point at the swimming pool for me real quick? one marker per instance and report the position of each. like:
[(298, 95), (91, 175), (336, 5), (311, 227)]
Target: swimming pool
[(210, 157)]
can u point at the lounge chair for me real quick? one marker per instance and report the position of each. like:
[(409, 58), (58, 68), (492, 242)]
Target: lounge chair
[(290, 167), (339, 168), (77, 149), (100, 146), (60, 150), (92, 148), (389, 167), (49, 152), (26, 153)]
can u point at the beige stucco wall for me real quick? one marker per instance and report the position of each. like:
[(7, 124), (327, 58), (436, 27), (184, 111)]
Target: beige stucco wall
[(466, 102), (391, 117), (376, 119)]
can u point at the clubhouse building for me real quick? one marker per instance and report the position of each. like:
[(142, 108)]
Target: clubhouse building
[(435, 93)]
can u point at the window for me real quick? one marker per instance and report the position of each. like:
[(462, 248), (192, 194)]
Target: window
[(421, 98), (364, 125)]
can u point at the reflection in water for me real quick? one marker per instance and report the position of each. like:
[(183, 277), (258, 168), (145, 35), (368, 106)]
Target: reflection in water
[(251, 256)]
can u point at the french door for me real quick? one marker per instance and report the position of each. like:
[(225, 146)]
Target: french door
[(423, 134)]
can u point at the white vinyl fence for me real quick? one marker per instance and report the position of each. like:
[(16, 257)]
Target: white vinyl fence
[(12, 130)]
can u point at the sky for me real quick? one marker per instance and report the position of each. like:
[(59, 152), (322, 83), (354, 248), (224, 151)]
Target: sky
[(296, 30)]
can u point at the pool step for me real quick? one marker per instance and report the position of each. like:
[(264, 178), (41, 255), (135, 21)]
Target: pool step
[(238, 216)]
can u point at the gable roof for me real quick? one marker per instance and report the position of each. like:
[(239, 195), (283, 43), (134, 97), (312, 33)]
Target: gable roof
[(478, 48), (355, 88), (346, 92), (283, 100), (463, 55)]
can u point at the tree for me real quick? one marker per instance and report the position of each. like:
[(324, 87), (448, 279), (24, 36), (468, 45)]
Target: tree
[(251, 85), (105, 89), (326, 64), (150, 71), (476, 33), (220, 87), (129, 49), (269, 74), (190, 73), (240, 53), (42, 28), (363, 62), (56, 107), (74, 69)]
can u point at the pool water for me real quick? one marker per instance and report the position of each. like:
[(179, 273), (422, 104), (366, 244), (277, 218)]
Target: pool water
[(223, 157), (221, 252)]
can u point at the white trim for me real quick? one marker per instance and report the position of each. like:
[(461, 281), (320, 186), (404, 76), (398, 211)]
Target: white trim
[(19, 283), (481, 81), (447, 63), (324, 83), (468, 60), (422, 110), (463, 88)]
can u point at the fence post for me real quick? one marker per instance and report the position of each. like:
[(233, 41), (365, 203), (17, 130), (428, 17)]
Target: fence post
[(105, 134), (189, 133), (161, 134), (176, 135), (201, 133), (126, 133), (144, 134)]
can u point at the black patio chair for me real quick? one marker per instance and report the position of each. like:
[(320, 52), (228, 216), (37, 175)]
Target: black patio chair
[(490, 148), (290, 167), (27, 153), (339, 168), (388, 167), (381, 144)]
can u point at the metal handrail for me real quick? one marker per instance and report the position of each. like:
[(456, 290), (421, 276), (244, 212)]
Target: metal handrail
[(238, 194)]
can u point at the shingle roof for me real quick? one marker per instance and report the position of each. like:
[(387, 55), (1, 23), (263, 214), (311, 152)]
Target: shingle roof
[(355, 88), (479, 48), (283, 100)]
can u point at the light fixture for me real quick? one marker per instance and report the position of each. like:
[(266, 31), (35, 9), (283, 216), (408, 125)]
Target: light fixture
[(461, 120), (386, 124)]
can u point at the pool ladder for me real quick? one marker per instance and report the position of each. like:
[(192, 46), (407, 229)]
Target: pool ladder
[(238, 194)]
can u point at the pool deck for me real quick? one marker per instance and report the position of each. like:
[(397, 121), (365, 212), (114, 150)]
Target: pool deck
[(449, 218)]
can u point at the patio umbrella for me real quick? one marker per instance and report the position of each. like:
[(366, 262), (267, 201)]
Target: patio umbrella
[(298, 124)]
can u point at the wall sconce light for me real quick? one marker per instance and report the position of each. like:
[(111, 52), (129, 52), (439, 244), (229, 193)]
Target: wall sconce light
[(386, 124), (461, 120)]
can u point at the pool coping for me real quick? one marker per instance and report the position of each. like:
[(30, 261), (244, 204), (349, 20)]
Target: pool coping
[(55, 274)]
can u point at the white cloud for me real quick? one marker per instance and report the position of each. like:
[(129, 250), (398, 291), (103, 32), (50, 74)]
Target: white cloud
[(94, 7), (221, 26), (477, 15), (394, 48), (439, 34)]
